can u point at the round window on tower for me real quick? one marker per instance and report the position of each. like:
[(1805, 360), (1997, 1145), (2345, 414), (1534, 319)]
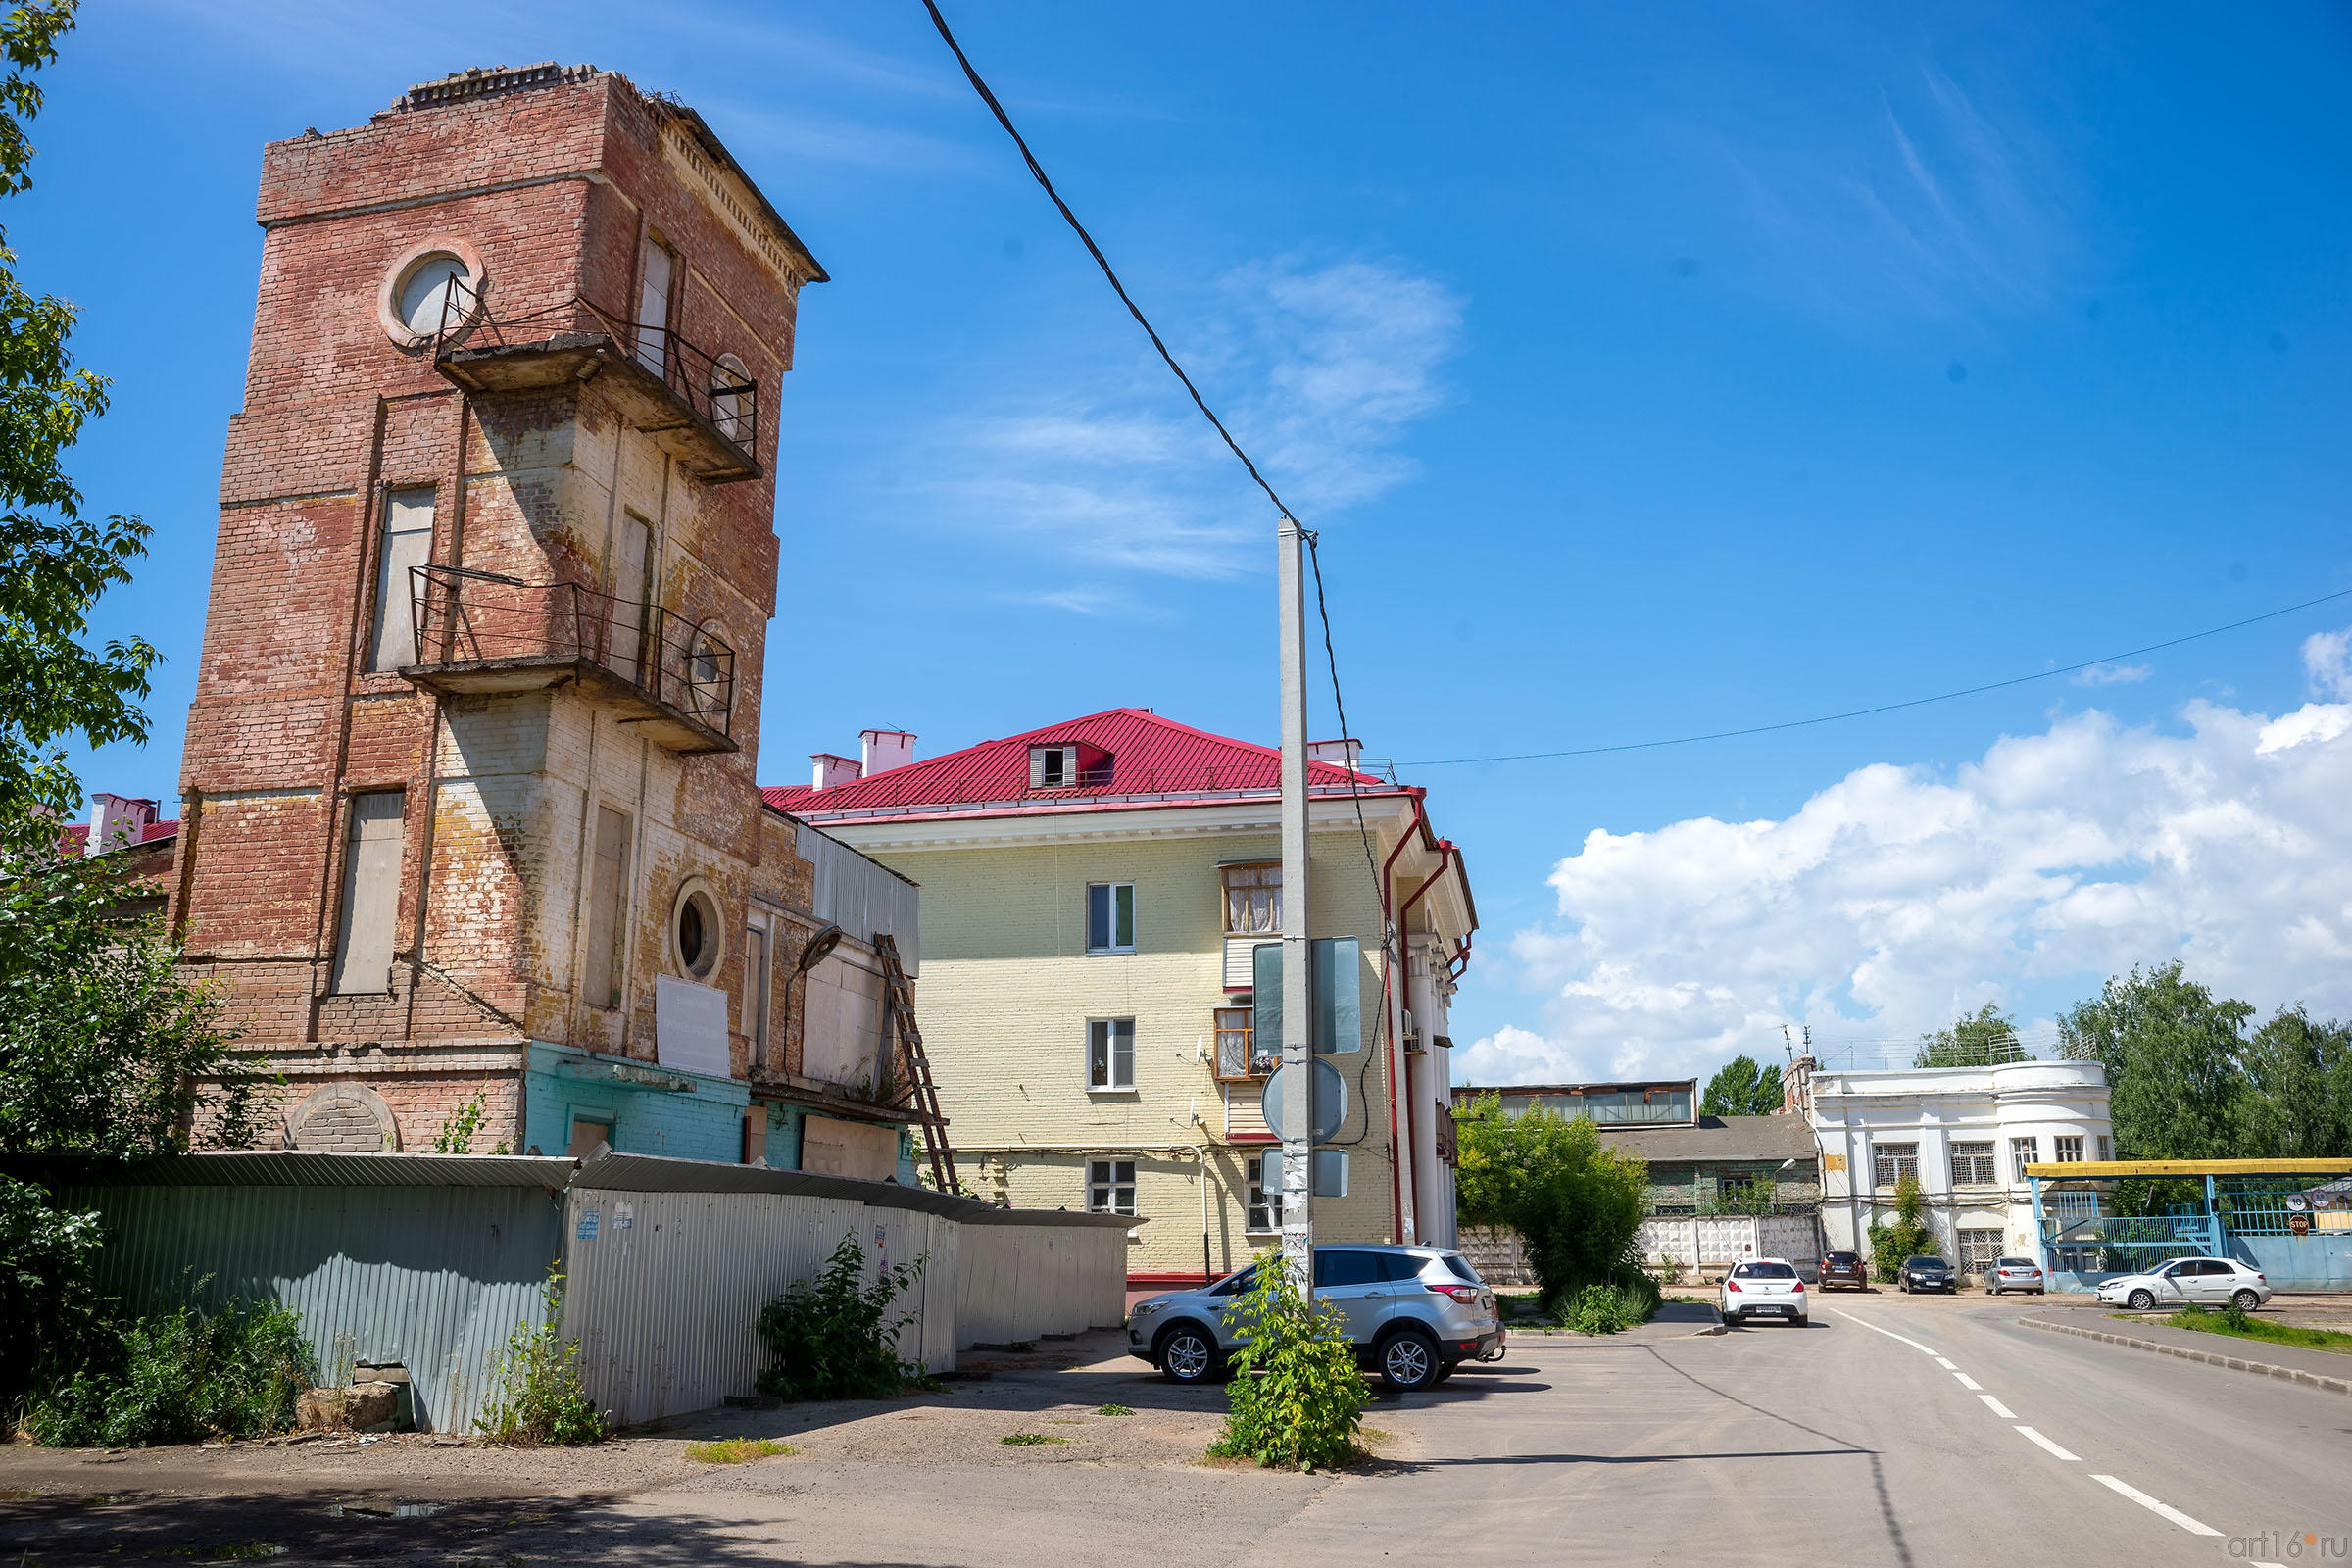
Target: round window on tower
[(695, 934), (432, 293)]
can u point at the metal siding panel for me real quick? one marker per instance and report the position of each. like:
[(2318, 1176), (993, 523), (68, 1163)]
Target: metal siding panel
[(434, 1279)]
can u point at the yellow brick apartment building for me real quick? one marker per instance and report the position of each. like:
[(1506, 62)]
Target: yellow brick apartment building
[(1093, 894)]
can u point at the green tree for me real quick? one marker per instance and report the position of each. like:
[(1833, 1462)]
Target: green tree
[(2175, 1060), (1576, 1203), (1905, 1236), (1984, 1038), (2298, 1088), (1741, 1088), (54, 562)]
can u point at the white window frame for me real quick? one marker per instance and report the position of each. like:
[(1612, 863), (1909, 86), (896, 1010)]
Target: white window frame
[(1261, 1195), (2106, 1147), (1110, 919), (1063, 762), (2068, 1150), (759, 964), (1110, 1056), (2024, 1152), (1102, 1176), (1891, 1157)]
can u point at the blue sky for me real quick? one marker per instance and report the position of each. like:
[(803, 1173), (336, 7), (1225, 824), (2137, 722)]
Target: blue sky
[(1648, 373)]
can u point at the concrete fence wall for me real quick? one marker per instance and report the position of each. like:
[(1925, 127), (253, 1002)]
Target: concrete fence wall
[(671, 1261)]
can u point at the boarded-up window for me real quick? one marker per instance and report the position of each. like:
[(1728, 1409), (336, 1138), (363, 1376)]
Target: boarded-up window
[(607, 897), (632, 555), (754, 991), (841, 1032), (652, 307), (408, 543), (363, 931)]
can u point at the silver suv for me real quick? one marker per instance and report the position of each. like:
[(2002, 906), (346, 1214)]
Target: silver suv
[(1415, 1312)]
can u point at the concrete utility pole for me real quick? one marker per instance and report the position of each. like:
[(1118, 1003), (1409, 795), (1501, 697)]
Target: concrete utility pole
[(1297, 952)]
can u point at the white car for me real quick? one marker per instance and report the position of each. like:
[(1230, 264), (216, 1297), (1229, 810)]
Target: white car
[(1764, 1287), (2203, 1281)]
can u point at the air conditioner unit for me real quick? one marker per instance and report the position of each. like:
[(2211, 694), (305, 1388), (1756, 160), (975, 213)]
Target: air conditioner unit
[(1412, 1035)]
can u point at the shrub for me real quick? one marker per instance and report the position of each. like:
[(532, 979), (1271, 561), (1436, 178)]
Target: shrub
[(538, 1397), (1296, 1399), (179, 1377), (1611, 1309), (50, 1320), (1906, 1236), (832, 1338)]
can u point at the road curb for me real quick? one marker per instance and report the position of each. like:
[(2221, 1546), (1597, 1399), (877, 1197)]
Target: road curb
[(2236, 1363)]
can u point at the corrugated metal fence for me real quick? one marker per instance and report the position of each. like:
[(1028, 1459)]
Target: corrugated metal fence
[(427, 1261), (672, 1259), (434, 1261)]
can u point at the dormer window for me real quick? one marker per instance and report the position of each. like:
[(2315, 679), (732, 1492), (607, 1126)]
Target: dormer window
[(1053, 767), (1069, 765)]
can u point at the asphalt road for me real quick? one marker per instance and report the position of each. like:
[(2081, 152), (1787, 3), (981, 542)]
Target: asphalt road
[(1849, 1441), (1887, 1432)]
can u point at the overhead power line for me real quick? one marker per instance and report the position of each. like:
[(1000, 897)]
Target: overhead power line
[(1883, 707), (1315, 554)]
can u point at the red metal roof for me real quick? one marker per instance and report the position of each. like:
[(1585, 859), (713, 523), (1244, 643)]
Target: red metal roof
[(72, 838), (1148, 756)]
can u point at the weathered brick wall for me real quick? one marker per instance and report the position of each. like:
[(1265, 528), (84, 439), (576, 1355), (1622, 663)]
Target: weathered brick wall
[(555, 187)]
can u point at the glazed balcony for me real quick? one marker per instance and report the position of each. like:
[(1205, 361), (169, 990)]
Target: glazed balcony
[(480, 633), (699, 408)]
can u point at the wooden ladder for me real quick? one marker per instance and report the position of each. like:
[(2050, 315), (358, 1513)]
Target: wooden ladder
[(897, 1018)]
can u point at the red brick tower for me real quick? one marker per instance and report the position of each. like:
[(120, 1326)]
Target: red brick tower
[(468, 786)]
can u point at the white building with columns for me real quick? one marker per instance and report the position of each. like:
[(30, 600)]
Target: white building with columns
[(1966, 1132)]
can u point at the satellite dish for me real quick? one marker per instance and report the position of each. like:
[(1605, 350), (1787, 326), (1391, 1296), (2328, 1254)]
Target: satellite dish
[(1330, 1101)]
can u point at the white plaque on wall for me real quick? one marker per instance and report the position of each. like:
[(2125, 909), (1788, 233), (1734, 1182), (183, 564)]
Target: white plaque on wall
[(690, 1027)]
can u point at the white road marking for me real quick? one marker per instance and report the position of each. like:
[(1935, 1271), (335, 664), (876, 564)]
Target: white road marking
[(2194, 1526), (1947, 1365), (1997, 1407), (1968, 1383), (2037, 1438), (1890, 1334)]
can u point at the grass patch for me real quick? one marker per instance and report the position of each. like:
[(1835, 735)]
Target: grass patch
[(1029, 1439), (735, 1450), (1113, 1409), (249, 1549), (2243, 1326)]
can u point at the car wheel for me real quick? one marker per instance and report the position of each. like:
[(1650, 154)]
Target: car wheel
[(2245, 1301), (1187, 1354), (2139, 1300), (1408, 1361), (1992, 1290)]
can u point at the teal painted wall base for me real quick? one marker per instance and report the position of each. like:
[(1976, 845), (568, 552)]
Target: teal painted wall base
[(651, 1110), (784, 1124)]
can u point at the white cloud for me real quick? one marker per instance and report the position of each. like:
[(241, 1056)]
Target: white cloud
[(1318, 371), (1897, 898), (2113, 674), (2328, 663)]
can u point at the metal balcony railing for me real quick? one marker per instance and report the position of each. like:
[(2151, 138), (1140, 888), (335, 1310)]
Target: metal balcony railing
[(715, 388), (476, 630)]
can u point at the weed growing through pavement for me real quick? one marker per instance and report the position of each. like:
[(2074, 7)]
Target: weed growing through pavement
[(833, 1338), (735, 1450), (1113, 1409), (1297, 1397), (1029, 1439)]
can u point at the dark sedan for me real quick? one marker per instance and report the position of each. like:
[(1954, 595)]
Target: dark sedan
[(1927, 1274), (1844, 1269)]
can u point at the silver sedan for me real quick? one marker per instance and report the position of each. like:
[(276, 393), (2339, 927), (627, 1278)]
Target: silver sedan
[(2187, 1281)]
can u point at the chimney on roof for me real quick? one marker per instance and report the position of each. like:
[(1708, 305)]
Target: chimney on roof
[(832, 769), (886, 749), (1344, 753), (118, 819)]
